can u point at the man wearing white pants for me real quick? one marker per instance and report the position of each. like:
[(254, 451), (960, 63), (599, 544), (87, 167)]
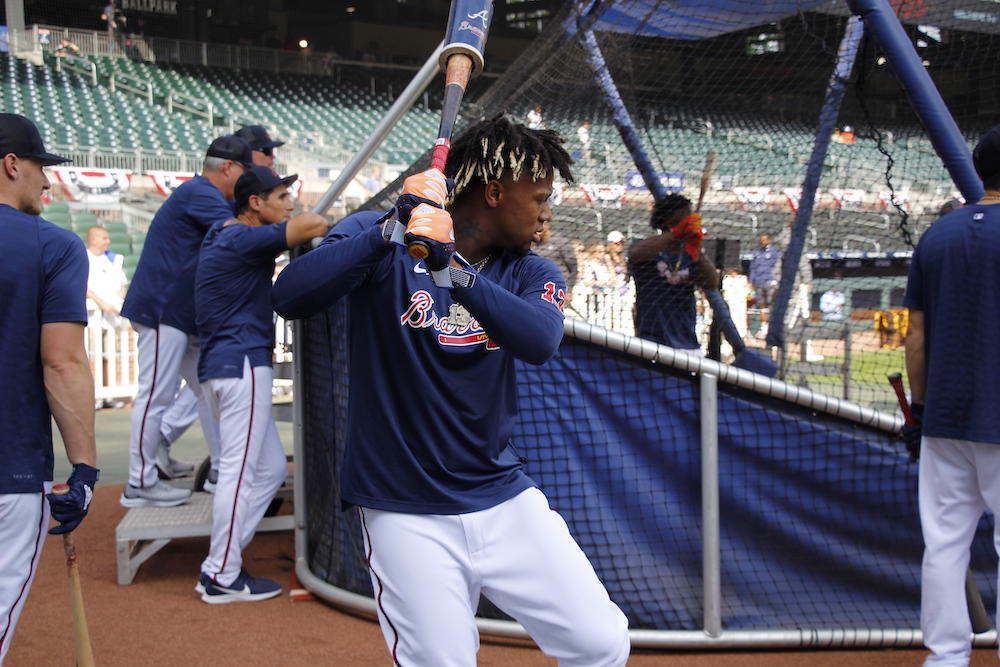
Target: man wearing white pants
[(952, 364), (233, 305), (46, 374), (160, 305)]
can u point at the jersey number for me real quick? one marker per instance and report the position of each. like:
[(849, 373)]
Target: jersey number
[(555, 298)]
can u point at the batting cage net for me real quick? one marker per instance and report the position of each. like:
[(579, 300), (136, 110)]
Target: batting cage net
[(818, 512)]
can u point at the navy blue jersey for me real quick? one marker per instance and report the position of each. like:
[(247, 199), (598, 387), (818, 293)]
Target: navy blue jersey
[(955, 280), (43, 279), (233, 297), (163, 286), (433, 386), (664, 299)]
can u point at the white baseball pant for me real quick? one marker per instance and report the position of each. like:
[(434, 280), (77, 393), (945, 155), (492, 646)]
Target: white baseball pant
[(959, 480), (165, 355), (252, 466), (24, 520), (428, 571)]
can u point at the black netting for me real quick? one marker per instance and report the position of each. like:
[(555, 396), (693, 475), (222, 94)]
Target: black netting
[(819, 517)]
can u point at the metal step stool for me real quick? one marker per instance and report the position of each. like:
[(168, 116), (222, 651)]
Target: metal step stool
[(146, 530)]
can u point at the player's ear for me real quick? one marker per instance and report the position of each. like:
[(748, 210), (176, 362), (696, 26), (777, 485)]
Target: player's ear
[(10, 166), (493, 193)]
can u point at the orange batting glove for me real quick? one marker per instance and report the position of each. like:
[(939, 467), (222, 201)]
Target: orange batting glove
[(430, 236), (427, 187)]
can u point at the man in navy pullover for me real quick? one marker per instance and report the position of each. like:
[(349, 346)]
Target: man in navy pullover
[(446, 507)]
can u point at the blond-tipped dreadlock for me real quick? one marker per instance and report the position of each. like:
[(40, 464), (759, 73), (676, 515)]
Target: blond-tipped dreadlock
[(501, 146)]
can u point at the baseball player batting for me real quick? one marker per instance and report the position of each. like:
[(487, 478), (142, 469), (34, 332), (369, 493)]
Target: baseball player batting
[(447, 510), (233, 309)]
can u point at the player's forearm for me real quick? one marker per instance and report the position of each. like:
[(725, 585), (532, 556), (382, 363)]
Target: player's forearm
[(529, 329), (314, 281), (647, 249), (916, 357), (69, 387), (304, 227)]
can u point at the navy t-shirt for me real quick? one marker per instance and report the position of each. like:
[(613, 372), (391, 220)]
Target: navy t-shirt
[(433, 386), (955, 280), (233, 297), (162, 289), (664, 299), (43, 279)]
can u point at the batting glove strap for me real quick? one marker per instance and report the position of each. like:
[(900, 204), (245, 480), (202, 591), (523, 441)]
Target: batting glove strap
[(406, 203), (462, 277)]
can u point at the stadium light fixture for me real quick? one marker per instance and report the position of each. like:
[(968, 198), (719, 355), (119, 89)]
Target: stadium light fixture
[(350, 10), (303, 43)]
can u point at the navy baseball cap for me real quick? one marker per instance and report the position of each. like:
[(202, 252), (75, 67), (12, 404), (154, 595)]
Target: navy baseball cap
[(986, 155), (19, 136), (231, 147), (257, 137), (258, 180)]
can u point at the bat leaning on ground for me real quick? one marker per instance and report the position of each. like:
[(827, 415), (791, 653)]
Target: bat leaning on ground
[(711, 160), (973, 600), (461, 59), (84, 651)]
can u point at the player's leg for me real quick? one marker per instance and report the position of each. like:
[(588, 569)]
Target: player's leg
[(950, 507), (988, 473), (178, 417), (24, 518), (160, 352), (425, 590), (534, 571), (208, 418), (182, 413), (243, 429), (270, 467)]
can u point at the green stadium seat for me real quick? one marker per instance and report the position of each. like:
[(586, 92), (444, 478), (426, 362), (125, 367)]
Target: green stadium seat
[(121, 248)]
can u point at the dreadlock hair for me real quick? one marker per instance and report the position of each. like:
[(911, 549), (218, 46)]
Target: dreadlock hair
[(500, 146), (665, 210)]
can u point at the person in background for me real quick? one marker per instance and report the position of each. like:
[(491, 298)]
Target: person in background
[(953, 365)]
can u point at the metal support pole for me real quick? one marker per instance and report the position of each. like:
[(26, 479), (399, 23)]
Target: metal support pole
[(827, 120), (711, 559), (406, 99)]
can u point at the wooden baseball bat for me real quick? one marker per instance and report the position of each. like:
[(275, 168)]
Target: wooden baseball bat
[(461, 59), (84, 651), (973, 599), (711, 160)]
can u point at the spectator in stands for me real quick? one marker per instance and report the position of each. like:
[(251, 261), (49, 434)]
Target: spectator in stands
[(666, 268), (106, 281), (952, 364), (534, 118), (261, 142), (46, 373), (763, 278), (583, 136), (616, 258), (374, 183), (949, 206), (832, 304), (66, 48), (160, 305)]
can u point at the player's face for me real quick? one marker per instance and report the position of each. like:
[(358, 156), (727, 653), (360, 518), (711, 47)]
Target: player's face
[(524, 210), (264, 158), (33, 184), (276, 207)]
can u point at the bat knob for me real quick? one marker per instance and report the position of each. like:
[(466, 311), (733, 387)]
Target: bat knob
[(418, 250), (60, 489)]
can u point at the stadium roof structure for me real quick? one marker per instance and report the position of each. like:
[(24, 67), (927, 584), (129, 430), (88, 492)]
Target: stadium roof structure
[(701, 19)]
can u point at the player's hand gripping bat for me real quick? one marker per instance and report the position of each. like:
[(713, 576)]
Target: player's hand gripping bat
[(84, 651), (461, 59), (973, 600)]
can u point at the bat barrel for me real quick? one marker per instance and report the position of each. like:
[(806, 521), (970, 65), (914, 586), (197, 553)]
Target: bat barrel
[(468, 27)]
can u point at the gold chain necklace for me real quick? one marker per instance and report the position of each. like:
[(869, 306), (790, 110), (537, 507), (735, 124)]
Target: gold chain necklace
[(481, 264)]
